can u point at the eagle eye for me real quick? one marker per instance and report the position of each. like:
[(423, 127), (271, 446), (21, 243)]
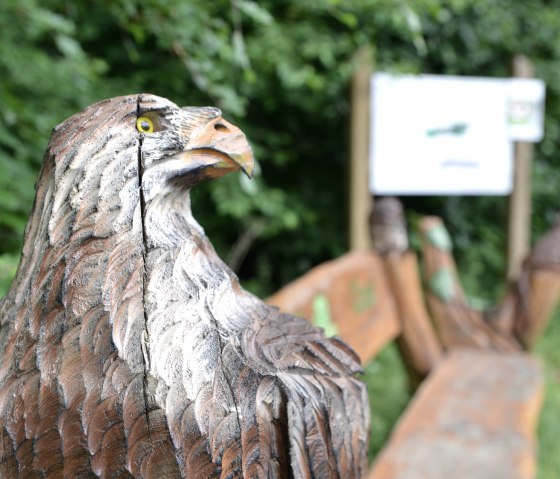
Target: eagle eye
[(144, 124)]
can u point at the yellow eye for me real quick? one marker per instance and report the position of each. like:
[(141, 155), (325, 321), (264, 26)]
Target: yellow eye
[(144, 125)]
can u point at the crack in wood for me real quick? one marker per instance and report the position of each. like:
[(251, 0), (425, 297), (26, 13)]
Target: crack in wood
[(145, 338)]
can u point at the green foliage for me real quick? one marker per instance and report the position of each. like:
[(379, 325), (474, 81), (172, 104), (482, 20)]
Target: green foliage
[(549, 424), (8, 267), (45, 76), (386, 382)]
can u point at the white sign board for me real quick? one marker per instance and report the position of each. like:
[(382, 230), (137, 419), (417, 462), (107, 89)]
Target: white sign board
[(442, 135)]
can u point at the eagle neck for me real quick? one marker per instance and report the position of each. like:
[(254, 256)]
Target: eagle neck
[(193, 300)]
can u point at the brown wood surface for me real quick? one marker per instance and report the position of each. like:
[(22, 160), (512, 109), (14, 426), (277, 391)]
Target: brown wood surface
[(359, 195), (545, 291), (474, 417), (418, 342), (358, 296), (535, 306), (537, 291), (519, 223), (458, 324)]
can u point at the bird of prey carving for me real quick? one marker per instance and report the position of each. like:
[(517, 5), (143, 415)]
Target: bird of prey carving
[(129, 349)]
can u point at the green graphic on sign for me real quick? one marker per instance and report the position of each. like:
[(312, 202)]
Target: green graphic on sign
[(457, 129)]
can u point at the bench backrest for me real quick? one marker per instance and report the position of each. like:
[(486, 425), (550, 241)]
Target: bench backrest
[(350, 297)]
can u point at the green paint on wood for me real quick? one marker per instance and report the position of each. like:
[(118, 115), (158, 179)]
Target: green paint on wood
[(442, 284), (439, 237), (322, 315), (363, 296)]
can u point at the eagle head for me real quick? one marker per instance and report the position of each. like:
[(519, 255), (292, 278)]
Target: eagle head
[(184, 146), (105, 165)]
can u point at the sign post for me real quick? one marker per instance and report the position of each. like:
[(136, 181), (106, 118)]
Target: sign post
[(360, 198), (519, 221)]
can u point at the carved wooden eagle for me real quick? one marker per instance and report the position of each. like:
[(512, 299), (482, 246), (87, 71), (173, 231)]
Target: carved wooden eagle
[(129, 349)]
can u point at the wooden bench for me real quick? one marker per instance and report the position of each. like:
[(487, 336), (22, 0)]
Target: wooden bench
[(349, 297), (475, 412), (474, 417)]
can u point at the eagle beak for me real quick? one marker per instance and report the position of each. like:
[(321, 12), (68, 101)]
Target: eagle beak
[(219, 148)]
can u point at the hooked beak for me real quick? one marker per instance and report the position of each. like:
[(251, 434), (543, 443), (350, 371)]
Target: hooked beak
[(218, 148)]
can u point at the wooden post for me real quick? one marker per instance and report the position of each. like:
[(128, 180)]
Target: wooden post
[(360, 198), (519, 225), (458, 324), (418, 343)]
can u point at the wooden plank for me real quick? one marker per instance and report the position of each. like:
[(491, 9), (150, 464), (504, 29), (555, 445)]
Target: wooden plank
[(519, 225), (418, 342), (360, 197), (474, 417), (537, 292), (536, 306), (350, 297)]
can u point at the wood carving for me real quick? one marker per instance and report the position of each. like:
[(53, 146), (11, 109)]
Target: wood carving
[(524, 312), (418, 342), (349, 296), (537, 292), (458, 324), (129, 349)]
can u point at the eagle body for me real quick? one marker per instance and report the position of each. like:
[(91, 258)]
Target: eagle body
[(129, 349)]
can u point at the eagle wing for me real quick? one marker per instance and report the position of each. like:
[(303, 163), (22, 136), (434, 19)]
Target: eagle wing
[(281, 402), (327, 408)]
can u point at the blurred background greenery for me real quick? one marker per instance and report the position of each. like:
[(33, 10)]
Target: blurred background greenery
[(280, 70)]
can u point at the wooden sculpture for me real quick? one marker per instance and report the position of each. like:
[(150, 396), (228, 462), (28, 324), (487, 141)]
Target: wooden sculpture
[(418, 343), (129, 349)]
